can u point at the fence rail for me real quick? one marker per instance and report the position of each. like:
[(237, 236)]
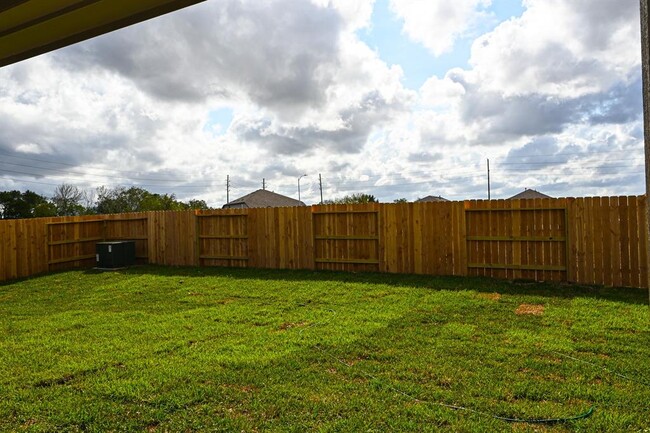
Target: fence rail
[(595, 240)]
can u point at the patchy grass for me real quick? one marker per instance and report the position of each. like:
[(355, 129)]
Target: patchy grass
[(533, 310), (184, 349)]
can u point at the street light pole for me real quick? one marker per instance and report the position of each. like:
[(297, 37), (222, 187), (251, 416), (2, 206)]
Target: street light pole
[(299, 185)]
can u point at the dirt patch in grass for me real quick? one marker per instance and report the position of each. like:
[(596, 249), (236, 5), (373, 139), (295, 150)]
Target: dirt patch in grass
[(246, 389), (529, 309), (30, 422), (490, 296), (225, 301), (289, 325)]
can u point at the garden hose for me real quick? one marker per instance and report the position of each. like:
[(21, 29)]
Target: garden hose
[(584, 415), (463, 408), (547, 420), (615, 373)]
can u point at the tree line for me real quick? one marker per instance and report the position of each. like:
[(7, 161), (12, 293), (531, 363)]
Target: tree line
[(360, 198), (69, 200), (353, 199)]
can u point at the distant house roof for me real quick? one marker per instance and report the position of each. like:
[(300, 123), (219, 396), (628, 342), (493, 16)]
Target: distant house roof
[(430, 198), (263, 198), (529, 193)]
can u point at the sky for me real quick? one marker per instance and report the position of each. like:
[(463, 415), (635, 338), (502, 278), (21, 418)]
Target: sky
[(394, 98)]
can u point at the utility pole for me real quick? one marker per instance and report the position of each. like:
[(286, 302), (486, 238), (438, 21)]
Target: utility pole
[(488, 168), (227, 189), (320, 182), (645, 69), (264, 184)]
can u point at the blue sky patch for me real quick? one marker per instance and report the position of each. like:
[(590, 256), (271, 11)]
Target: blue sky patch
[(218, 121), (386, 37)]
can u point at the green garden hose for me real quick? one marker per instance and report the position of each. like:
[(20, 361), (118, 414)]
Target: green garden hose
[(584, 415)]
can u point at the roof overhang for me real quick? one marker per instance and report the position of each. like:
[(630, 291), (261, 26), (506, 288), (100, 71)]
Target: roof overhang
[(32, 27)]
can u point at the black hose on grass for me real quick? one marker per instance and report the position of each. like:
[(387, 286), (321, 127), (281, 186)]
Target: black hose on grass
[(584, 415)]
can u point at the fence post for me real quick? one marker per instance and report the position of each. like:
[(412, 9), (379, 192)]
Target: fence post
[(47, 244), (645, 54)]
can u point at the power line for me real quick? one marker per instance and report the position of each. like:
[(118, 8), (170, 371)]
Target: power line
[(617, 168), (564, 162), (66, 164), (28, 181), (584, 152), (70, 172), (443, 171)]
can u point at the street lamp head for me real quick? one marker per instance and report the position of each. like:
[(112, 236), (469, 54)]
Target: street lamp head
[(300, 177)]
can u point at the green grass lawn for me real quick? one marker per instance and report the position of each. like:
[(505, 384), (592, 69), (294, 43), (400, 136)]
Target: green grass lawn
[(187, 349)]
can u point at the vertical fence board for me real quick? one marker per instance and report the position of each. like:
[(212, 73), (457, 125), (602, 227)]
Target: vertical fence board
[(643, 236), (454, 234), (634, 247), (576, 230), (590, 241), (446, 249), (597, 240), (606, 228), (390, 234), (418, 209), (615, 240), (4, 254), (623, 244), (516, 231)]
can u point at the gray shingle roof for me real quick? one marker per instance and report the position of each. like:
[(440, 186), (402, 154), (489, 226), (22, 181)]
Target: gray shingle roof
[(263, 198), (529, 193), (430, 198)]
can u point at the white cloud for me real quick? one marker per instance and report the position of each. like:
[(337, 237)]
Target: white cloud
[(440, 92), (559, 64), (355, 13), (437, 24), (560, 48)]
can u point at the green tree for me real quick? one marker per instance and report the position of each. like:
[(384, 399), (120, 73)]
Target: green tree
[(16, 204), (119, 199), (46, 209), (400, 200), (135, 199), (160, 202), (197, 204), (353, 199)]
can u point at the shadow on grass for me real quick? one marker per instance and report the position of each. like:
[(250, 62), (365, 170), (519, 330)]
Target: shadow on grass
[(479, 284)]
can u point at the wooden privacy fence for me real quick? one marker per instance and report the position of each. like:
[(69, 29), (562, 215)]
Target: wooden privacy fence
[(596, 240), (35, 246), (74, 241)]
